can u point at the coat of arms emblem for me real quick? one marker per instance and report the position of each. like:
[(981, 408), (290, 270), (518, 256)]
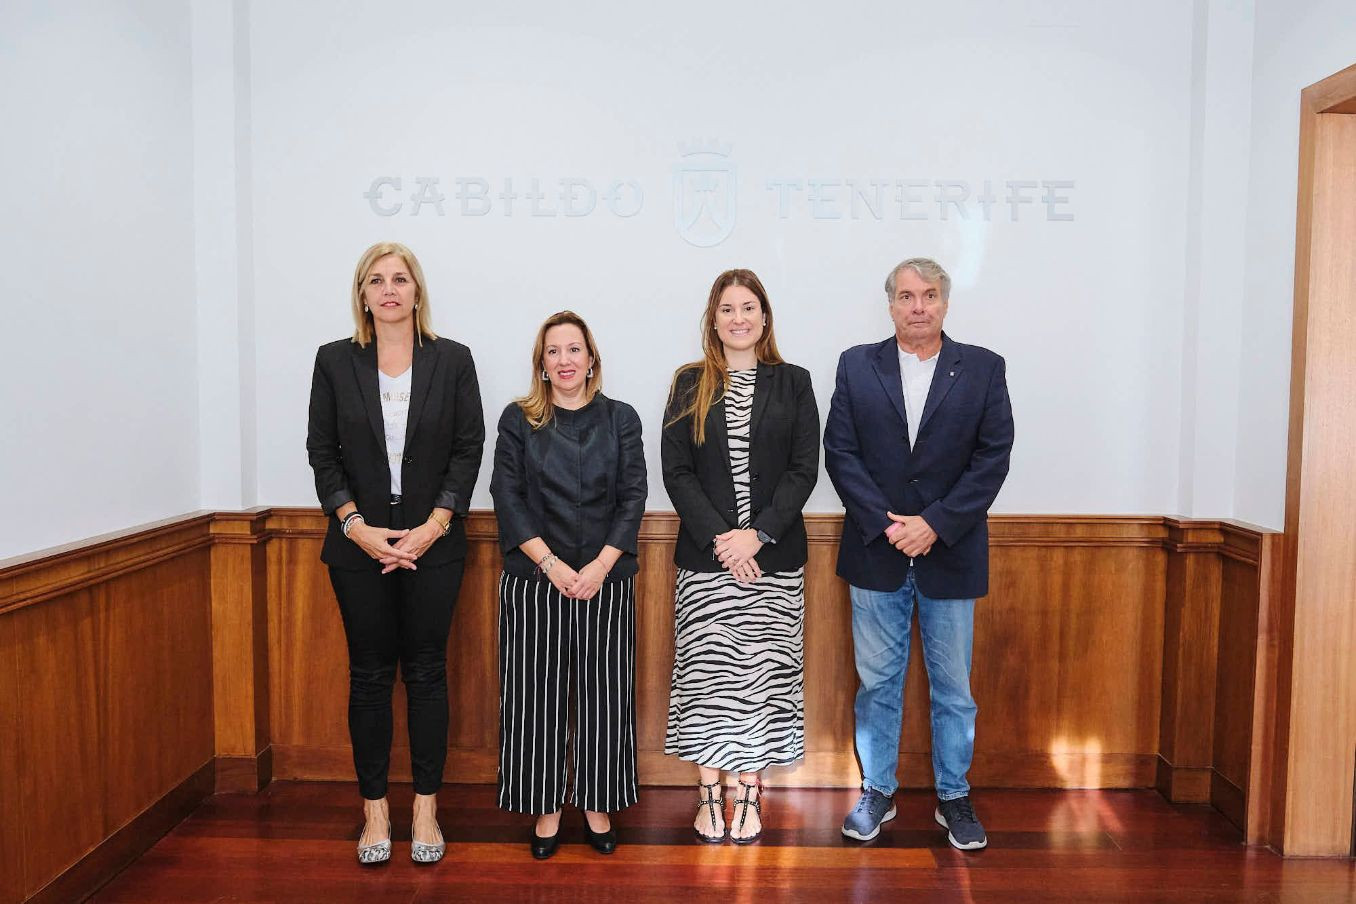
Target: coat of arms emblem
[(704, 193)]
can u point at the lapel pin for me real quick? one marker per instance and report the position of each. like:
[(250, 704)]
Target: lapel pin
[(953, 373)]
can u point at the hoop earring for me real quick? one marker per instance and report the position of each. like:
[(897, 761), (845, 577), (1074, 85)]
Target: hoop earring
[(544, 377), (366, 309), (416, 307), (589, 375)]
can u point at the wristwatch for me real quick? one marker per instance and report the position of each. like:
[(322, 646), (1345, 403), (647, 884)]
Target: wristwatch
[(763, 537)]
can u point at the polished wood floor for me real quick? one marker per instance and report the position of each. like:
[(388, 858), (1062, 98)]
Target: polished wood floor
[(293, 842)]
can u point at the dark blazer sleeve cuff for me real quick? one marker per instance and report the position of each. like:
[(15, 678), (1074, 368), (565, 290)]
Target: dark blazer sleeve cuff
[(946, 527), (516, 524), (771, 538), (510, 539), (451, 501), (770, 526), (704, 535), (335, 500), (870, 532), (625, 537), (701, 530)]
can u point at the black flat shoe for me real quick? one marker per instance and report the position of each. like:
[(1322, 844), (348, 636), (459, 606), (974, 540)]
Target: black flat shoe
[(543, 848), (602, 842)]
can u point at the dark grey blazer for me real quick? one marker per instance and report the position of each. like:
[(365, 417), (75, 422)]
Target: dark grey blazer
[(346, 443), (578, 482), (783, 469)]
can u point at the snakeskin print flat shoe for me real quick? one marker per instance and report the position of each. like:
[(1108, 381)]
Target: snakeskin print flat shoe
[(427, 853), (372, 854)]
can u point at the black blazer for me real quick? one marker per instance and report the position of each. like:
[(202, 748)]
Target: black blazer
[(578, 482), (950, 475), (346, 443), (783, 468)]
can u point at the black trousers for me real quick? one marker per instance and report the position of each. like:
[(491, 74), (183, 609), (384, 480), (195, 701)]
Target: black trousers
[(551, 648), (399, 618)]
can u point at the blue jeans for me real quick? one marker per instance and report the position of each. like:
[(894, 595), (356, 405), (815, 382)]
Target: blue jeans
[(880, 642)]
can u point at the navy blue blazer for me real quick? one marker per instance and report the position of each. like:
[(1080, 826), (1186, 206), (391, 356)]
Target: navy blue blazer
[(950, 476)]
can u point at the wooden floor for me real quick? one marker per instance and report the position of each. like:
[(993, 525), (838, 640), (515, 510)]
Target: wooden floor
[(293, 842)]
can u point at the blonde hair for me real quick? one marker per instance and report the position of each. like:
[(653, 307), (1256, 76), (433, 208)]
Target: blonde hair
[(362, 318), (537, 405), (712, 371)]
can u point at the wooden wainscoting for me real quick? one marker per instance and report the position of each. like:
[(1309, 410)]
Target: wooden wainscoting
[(1219, 665), (106, 708), (1244, 677), (1068, 658), (143, 669)]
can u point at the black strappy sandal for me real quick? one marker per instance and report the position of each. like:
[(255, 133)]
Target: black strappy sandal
[(710, 802), (757, 804)]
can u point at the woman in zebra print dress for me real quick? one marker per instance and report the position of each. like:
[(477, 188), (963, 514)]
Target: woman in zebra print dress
[(740, 456)]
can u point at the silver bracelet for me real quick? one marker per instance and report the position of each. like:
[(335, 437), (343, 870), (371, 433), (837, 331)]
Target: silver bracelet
[(352, 518), (547, 562)]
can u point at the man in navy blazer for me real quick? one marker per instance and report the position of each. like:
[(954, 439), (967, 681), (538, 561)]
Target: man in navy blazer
[(917, 443)]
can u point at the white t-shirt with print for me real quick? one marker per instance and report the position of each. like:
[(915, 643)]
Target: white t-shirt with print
[(395, 410)]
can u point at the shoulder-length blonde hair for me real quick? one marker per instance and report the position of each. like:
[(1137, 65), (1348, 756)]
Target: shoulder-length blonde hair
[(362, 318), (712, 371), (537, 405)]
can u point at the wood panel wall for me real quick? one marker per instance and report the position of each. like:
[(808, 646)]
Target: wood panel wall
[(106, 705), (1244, 718), (1069, 658), (140, 671)]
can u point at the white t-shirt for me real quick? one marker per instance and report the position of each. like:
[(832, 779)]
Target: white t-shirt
[(917, 379), (395, 410)]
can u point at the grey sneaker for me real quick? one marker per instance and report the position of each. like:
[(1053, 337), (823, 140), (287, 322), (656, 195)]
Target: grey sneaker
[(874, 808), (962, 825)]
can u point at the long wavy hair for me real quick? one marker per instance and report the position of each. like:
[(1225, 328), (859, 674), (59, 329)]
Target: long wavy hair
[(537, 405), (362, 318), (712, 371)]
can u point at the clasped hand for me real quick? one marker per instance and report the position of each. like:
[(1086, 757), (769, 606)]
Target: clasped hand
[(577, 585), (910, 534), (735, 550), (395, 548)]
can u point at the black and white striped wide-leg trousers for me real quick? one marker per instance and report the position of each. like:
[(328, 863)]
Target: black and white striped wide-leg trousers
[(551, 649)]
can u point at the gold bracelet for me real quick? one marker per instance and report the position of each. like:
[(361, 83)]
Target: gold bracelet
[(445, 525)]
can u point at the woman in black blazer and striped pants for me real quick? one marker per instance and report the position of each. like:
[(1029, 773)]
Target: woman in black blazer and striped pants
[(569, 492), (741, 455), (395, 439)]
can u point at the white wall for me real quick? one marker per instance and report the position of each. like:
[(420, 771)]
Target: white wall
[(98, 384), (1214, 254), (223, 235), (1297, 44), (1088, 312), (190, 198)]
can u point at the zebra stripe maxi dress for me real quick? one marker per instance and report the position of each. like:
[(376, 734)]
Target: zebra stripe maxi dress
[(737, 700)]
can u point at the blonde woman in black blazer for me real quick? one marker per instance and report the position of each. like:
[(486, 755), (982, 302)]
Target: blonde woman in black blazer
[(740, 455), (395, 438)]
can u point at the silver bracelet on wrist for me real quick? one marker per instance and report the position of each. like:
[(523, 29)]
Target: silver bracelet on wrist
[(353, 518), (547, 562)]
